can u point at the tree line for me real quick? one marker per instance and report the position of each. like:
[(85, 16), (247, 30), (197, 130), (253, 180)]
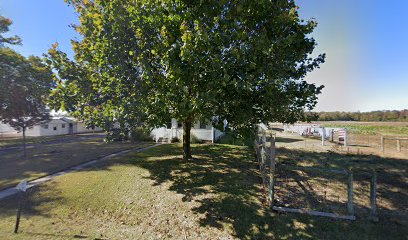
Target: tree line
[(373, 116)]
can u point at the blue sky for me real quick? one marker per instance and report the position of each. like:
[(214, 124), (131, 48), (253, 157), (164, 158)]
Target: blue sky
[(365, 42)]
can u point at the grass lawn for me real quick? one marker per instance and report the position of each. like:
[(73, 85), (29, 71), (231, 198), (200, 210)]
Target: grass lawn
[(49, 158), (18, 140), (157, 195)]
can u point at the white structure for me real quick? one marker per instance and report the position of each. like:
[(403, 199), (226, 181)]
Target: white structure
[(203, 131), (317, 130), (56, 126)]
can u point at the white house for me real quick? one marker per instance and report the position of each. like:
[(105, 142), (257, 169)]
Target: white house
[(203, 131), (56, 126)]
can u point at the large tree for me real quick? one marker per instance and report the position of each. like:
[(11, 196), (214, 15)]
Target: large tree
[(25, 85), (151, 60)]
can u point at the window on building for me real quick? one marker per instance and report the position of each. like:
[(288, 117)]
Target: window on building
[(45, 126), (55, 128), (62, 125), (168, 125), (179, 124)]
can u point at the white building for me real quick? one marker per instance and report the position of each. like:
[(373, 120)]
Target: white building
[(203, 131), (56, 126)]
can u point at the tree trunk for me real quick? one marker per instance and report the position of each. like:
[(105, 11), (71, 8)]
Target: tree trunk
[(186, 139), (24, 141)]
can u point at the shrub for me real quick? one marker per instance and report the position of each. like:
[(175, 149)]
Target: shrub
[(116, 135), (140, 135)]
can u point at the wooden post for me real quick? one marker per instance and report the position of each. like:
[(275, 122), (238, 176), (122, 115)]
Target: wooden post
[(350, 204), (373, 197), (331, 135), (398, 145), (323, 135), (263, 140), (271, 188), (382, 143), (273, 152), (256, 148), (262, 165), (345, 137)]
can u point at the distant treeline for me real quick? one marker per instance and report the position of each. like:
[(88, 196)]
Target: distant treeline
[(374, 116)]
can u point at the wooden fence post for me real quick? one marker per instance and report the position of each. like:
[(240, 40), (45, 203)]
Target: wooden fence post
[(350, 204), (331, 133), (273, 152), (323, 135), (398, 145), (345, 137), (373, 197), (382, 143), (262, 165), (271, 188)]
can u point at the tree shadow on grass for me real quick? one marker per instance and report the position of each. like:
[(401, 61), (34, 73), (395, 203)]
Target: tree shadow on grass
[(224, 180), (34, 201)]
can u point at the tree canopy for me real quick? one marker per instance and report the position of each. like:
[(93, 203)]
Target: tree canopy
[(152, 60)]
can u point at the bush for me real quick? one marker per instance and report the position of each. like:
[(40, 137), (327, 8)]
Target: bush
[(116, 135), (140, 135)]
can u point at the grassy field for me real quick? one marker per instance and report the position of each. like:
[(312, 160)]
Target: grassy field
[(157, 195), (49, 158), (387, 128)]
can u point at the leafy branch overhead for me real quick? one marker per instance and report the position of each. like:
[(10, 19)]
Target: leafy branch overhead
[(149, 61)]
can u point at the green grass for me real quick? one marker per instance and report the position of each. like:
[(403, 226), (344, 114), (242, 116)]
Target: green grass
[(372, 129), (230, 140), (18, 140), (155, 194), (46, 159)]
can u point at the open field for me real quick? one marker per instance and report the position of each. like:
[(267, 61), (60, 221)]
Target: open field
[(45, 159), (157, 195), (373, 128)]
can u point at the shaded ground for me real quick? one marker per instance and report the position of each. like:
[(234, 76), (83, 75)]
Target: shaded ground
[(44, 159), (157, 195), (14, 144), (17, 141)]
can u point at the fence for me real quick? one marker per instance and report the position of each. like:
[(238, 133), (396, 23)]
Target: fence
[(398, 140), (339, 135), (273, 177)]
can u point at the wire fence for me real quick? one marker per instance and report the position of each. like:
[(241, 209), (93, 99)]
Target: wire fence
[(325, 192)]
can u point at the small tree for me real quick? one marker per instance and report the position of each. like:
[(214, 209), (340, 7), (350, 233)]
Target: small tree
[(240, 60), (25, 85), (4, 28)]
